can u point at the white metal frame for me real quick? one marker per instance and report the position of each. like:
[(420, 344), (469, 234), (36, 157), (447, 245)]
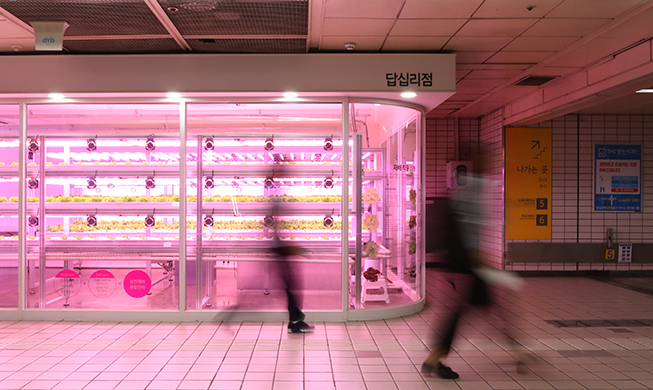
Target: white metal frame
[(184, 314)]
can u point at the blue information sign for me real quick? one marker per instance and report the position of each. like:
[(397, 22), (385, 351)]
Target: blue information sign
[(618, 177)]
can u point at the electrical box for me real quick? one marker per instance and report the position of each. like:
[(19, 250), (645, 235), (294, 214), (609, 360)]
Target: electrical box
[(457, 174), (625, 253)]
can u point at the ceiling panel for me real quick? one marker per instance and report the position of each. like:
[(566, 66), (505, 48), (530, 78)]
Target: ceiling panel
[(593, 8), (539, 43), (494, 74), (591, 52), (479, 43), (248, 45), (549, 27), (347, 26), (515, 9), (519, 57), (289, 17), (556, 70), (362, 8), (472, 57), (127, 17), (495, 27), (10, 45), (363, 43), (414, 43), (440, 9), (426, 27), (92, 46)]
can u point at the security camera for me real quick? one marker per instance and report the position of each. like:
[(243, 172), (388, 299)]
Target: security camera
[(269, 145), (149, 183), (208, 144), (328, 144), (33, 221), (209, 183), (208, 221), (91, 220), (328, 183), (268, 221), (268, 183)]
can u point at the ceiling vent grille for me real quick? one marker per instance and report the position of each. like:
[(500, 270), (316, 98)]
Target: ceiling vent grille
[(238, 17), (534, 81)]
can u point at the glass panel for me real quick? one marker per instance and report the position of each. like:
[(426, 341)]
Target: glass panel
[(103, 206), (9, 206), (390, 185), (269, 180)]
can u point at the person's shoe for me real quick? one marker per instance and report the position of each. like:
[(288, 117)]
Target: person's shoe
[(445, 372), (300, 327)]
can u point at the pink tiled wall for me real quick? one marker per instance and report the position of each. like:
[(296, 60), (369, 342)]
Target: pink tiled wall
[(440, 149), (573, 218)]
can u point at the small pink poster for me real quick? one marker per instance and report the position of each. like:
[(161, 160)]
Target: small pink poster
[(137, 284), (67, 283), (102, 283)]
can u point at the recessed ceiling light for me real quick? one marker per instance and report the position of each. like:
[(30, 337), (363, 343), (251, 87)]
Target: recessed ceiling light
[(173, 95), (408, 94), (645, 90), (56, 96), (290, 94)]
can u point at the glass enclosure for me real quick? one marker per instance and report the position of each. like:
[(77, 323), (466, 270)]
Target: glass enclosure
[(105, 183), (9, 146)]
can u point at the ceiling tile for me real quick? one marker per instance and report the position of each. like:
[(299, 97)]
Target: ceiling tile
[(494, 74), (440, 9), (515, 9), (549, 27), (473, 57), (363, 43), (556, 70), (362, 8), (26, 44), (484, 83), (480, 43), (414, 43), (539, 43), (519, 57), (592, 51), (9, 29), (593, 8), (462, 73), (346, 26), (495, 27), (426, 27)]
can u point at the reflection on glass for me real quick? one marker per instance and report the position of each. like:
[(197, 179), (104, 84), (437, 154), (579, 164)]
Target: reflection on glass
[(390, 185), (103, 225), (8, 206), (247, 157)]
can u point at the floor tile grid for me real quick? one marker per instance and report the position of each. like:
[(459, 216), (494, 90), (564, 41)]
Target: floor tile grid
[(184, 348)]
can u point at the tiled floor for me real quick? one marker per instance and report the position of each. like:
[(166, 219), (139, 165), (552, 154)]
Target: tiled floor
[(372, 355)]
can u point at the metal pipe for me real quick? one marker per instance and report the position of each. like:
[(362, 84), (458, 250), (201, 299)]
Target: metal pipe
[(183, 111), (358, 191), (22, 207), (198, 228), (42, 263), (344, 206)]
